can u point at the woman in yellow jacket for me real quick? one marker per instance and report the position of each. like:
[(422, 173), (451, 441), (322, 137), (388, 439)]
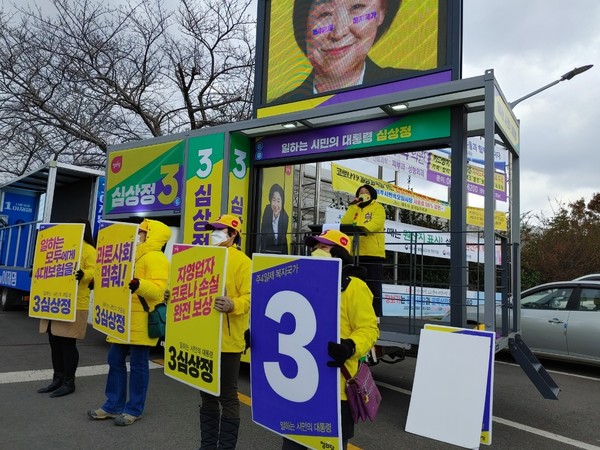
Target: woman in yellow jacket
[(63, 335), (151, 274), (358, 322), (220, 416), (367, 212)]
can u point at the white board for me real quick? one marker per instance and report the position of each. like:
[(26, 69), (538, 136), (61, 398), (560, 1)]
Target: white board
[(448, 395)]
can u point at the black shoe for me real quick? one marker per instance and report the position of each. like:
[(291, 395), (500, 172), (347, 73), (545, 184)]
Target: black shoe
[(67, 388), (57, 382)]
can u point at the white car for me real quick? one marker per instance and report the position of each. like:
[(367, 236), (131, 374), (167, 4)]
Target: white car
[(589, 277), (561, 320)]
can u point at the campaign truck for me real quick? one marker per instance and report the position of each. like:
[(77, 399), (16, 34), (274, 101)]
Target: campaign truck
[(53, 193)]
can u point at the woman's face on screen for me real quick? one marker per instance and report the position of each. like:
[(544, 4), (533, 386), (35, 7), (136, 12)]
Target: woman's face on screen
[(340, 33)]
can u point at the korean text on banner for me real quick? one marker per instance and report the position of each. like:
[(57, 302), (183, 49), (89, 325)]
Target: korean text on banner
[(145, 179), (290, 327), (114, 268), (204, 178), (53, 283), (194, 327)]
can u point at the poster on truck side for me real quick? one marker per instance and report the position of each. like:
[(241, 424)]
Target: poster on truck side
[(53, 283), (115, 256), (294, 392), (145, 179), (194, 327)]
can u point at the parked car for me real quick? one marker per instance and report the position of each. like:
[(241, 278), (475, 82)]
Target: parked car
[(561, 320), (589, 277)]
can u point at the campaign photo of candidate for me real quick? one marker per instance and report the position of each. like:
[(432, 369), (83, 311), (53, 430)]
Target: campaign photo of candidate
[(336, 37)]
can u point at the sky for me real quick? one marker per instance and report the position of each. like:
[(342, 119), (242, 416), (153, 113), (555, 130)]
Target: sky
[(529, 44)]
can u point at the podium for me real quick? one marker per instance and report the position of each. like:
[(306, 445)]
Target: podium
[(355, 231)]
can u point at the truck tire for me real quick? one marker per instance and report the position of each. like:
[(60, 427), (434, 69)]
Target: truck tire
[(4, 299)]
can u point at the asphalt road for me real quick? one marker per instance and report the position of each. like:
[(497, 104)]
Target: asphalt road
[(28, 420)]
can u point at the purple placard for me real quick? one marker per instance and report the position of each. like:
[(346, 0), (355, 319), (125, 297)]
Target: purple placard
[(290, 325), (144, 197)]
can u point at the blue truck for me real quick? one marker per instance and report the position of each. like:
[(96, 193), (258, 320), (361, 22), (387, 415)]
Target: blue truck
[(54, 192)]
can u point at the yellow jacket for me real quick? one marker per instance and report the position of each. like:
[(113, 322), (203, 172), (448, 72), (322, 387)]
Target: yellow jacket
[(152, 269), (87, 264), (237, 288), (357, 322), (372, 217)]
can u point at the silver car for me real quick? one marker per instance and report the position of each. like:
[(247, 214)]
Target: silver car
[(561, 320)]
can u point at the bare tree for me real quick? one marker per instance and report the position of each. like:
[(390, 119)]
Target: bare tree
[(91, 75)]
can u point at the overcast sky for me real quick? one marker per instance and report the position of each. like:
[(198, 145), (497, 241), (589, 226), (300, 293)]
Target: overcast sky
[(529, 44)]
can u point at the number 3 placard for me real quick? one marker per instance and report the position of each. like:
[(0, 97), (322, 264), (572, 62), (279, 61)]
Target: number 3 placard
[(295, 310)]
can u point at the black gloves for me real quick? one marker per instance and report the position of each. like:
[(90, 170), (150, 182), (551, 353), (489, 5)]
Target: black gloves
[(340, 352), (79, 275), (134, 284)]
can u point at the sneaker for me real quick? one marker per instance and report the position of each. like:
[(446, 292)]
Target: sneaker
[(126, 419), (100, 414)]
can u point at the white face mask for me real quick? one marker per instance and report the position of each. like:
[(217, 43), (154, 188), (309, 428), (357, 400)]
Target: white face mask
[(322, 253), (217, 237)]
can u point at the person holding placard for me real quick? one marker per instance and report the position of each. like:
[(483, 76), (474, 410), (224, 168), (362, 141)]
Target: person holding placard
[(358, 322), (63, 335), (150, 278), (220, 416)]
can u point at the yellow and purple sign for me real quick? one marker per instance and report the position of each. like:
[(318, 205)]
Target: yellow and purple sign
[(347, 180), (290, 327), (397, 46), (53, 284), (204, 178), (115, 256), (145, 179), (194, 327)]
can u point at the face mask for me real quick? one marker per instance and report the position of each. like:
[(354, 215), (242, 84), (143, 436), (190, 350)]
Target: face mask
[(365, 197), (217, 237), (320, 252)]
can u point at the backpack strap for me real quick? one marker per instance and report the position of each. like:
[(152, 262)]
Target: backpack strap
[(144, 303)]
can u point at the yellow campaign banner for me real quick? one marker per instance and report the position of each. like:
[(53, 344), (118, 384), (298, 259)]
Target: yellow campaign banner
[(347, 180), (203, 194), (194, 327), (53, 284), (475, 216), (115, 256)]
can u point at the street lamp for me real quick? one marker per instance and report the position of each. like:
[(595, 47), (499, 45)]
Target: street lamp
[(566, 76)]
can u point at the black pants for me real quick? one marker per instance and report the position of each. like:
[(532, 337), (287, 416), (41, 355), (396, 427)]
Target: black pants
[(347, 430), (65, 356), (374, 266), (228, 400)]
